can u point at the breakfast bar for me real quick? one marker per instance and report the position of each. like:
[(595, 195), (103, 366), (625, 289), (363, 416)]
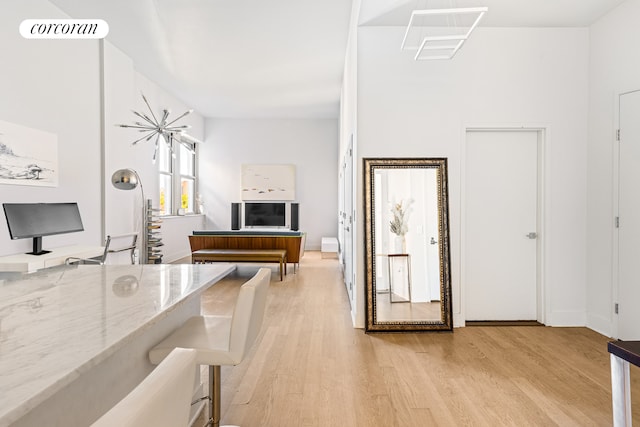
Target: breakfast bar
[(74, 339)]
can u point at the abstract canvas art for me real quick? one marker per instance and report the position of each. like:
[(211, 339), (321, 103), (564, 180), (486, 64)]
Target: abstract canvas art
[(27, 156), (268, 182)]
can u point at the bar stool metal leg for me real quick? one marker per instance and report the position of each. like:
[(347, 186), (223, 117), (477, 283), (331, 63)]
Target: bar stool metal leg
[(214, 394)]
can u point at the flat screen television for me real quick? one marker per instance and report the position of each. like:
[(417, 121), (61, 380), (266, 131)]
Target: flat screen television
[(264, 214), (34, 220)]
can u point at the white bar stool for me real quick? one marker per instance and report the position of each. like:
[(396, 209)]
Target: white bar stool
[(161, 399), (221, 340)]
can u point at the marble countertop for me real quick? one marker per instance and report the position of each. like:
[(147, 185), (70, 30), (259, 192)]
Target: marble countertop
[(59, 322)]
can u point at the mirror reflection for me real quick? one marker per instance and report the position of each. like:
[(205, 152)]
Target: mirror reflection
[(407, 245)]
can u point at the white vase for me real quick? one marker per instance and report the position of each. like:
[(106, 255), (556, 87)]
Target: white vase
[(400, 245)]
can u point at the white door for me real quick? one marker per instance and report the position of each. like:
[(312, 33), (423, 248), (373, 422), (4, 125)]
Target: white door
[(629, 214), (500, 249)]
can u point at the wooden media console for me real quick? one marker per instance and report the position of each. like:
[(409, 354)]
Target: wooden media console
[(241, 243)]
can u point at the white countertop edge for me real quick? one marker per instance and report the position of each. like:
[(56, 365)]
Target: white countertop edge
[(14, 414)]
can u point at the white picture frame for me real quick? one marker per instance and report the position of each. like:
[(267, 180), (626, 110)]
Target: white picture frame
[(28, 156), (268, 182)]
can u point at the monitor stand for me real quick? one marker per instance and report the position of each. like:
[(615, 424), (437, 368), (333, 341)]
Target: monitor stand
[(37, 247)]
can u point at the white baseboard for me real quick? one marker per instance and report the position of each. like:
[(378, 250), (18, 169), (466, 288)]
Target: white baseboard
[(600, 324), (566, 318), (458, 320)]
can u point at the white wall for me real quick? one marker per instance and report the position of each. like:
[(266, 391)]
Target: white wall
[(614, 67), (175, 232), (501, 77), (53, 85), (348, 133), (311, 145), (123, 87)]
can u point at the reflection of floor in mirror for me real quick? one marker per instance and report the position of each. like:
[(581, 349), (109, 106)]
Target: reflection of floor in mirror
[(405, 310)]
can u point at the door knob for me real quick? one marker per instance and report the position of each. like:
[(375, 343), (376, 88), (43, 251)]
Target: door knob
[(433, 241), (532, 235)]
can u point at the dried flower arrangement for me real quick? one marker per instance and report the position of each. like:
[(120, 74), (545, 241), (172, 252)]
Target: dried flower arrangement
[(399, 225)]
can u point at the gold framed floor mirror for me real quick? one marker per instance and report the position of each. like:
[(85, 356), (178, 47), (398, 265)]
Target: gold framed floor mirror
[(407, 266)]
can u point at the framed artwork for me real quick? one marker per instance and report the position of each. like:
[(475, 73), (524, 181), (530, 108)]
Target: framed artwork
[(28, 156), (268, 182)]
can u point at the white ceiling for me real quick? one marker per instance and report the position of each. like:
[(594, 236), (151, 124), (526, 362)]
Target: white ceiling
[(276, 58), (502, 13)]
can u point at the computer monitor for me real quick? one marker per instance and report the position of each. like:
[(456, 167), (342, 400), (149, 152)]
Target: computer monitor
[(34, 220)]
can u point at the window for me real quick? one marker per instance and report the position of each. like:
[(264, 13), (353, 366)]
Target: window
[(177, 177), (165, 169), (187, 177)]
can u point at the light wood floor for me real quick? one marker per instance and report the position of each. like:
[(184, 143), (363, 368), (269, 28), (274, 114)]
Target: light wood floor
[(310, 367), (406, 311)]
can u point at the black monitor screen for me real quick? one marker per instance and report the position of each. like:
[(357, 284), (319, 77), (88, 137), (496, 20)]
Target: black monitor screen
[(35, 220), (264, 214)]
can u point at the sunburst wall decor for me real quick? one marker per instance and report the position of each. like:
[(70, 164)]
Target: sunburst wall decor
[(152, 127)]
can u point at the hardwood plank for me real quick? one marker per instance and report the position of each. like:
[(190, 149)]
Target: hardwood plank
[(253, 371), (310, 367)]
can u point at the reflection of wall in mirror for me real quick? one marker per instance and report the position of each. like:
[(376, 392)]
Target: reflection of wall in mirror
[(415, 188), (432, 234), (422, 185), (380, 188)]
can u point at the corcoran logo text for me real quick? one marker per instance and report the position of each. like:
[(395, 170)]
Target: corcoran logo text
[(64, 29)]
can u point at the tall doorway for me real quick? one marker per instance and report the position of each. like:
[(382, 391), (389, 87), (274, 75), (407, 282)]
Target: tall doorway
[(501, 225)]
